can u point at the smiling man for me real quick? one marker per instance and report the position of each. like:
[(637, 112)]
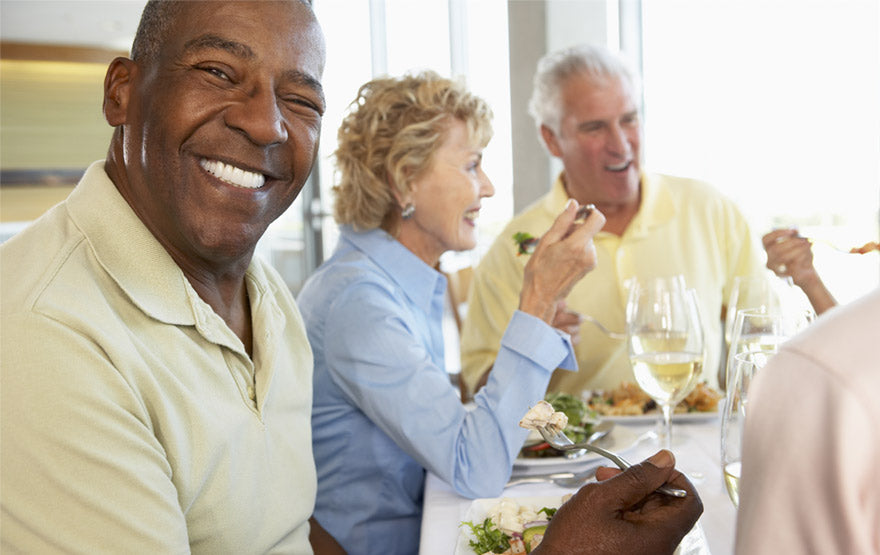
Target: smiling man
[(585, 103), (156, 379)]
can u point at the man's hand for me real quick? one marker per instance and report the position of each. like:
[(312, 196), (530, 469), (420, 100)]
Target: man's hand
[(624, 513)]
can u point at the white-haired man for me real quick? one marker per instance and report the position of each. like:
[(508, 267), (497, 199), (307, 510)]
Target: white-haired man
[(585, 103)]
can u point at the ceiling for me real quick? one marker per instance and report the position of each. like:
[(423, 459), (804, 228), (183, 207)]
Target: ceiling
[(109, 24)]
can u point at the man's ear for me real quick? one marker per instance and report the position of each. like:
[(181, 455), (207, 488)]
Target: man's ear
[(550, 140), (118, 84)]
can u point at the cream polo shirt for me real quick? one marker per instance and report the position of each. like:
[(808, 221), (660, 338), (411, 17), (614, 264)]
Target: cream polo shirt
[(682, 226), (133, 421)]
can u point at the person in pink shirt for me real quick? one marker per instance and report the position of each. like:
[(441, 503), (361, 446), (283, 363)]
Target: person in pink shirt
[(811, 446)]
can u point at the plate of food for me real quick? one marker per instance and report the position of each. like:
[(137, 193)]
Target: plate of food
[(499, 525), (629, 404), (490, 525), (536, 454)]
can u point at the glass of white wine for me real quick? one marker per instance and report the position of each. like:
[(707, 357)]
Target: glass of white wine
[(665, 342), (745, 366)]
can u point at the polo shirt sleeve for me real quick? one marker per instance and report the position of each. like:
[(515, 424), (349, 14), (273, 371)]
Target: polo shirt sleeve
[(81, 467), (742, 249)]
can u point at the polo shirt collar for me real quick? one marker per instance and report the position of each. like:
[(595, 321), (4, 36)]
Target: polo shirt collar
[(130, 253), (420, 283), (656, 208)]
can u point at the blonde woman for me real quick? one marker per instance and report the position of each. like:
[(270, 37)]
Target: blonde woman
[(410, 187)]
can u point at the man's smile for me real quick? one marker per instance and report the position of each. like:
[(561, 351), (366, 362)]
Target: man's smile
[(619, 167), (232, 175)]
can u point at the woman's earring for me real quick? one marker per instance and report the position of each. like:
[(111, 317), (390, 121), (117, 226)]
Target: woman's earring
[(408, 211)]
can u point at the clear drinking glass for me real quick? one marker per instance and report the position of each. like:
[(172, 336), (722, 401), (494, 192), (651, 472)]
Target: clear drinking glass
[(757, 329), (762, 291), (665, 342), (745, 366), (768, 294)]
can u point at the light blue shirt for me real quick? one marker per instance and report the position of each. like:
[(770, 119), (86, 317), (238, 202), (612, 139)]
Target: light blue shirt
[(384, 409)]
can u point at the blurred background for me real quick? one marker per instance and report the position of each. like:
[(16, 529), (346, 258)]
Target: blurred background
[(775, 102)]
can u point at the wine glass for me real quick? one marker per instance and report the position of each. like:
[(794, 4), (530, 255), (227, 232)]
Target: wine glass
[(755, 291), (665, 342), (745, 366), (757, 329), (769, 294)]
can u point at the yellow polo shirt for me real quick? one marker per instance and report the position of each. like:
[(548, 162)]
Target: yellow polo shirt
[(683, 227), (133, 420)]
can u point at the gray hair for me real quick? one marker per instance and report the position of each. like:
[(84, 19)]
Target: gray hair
[(155, 22), (555, 68)]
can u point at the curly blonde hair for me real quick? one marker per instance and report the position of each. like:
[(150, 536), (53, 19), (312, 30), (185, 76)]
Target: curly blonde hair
[(388, 138)]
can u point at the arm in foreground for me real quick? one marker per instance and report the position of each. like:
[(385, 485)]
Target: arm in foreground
[(624, 513)]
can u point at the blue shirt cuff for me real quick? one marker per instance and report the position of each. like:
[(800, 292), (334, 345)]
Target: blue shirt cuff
[(540, 342)]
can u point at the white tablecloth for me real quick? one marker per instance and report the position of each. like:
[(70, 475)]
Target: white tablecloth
[(697, 450)]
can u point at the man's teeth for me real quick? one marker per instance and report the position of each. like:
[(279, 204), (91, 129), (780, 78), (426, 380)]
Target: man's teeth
[(472, 215), (232, 175), (619, 167)]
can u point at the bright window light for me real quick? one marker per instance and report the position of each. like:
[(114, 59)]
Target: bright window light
[(396, 46), (776, 103)]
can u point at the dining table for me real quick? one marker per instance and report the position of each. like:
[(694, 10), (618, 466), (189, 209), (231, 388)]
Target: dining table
[(695, 444)]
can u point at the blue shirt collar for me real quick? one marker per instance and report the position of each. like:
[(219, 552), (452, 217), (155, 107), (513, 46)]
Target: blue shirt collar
[(420, 282)]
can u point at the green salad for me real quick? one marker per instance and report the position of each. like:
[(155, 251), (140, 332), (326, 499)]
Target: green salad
[(580, 423), (489, 539)]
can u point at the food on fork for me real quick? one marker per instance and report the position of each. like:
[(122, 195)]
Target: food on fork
[(866, 248), (565, 413), (526, 242), (543, 415), (870, 246)]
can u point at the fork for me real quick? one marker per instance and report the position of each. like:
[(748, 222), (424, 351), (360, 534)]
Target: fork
[(558, 440), (813, 240), (602, 328), (562, 479)]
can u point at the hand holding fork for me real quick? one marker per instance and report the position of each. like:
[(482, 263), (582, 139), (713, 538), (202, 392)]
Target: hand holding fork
[(558, 440)]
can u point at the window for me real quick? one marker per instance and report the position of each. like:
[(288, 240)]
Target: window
[(465, 39), (776, 103)]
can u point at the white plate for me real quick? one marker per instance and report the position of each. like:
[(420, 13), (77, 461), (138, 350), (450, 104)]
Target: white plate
[(479, 509), (655, 417), (619, 440), (694, 543)]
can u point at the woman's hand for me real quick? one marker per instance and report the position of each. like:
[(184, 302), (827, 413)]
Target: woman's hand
[(624, 513), (562, 257), (789, 254)]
